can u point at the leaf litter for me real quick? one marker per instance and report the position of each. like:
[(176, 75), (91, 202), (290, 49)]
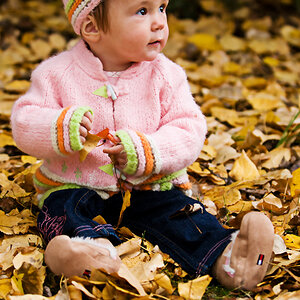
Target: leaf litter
[(244, 71)]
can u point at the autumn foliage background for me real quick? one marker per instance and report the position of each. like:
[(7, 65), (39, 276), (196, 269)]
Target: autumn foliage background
[(242, 60)]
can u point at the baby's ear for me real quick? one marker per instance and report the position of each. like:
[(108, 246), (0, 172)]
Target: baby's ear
[(89, 30)]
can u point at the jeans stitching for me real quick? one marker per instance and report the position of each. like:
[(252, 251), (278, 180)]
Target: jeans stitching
[(78, 202), (209, 254)]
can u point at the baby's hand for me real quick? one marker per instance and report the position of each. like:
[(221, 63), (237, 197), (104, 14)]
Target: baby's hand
[(117, 155), (85, 126)]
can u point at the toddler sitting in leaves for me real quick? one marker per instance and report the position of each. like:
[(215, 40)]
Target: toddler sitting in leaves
[(116, 78)]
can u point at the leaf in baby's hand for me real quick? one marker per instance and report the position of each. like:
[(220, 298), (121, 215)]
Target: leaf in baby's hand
[(91, 143), (103, 134)]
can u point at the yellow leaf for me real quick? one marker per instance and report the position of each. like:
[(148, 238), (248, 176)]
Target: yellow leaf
[(287, 76), (9, 245), (232, 197), (196, 168), (19, 86), (263, 24), (6, 139), (34, 258), (271, 203), (204, 41), (32, 278), (7, 223), (232, 68), (291, 35), (5, 287), (261, 46), (295, 183), (57, 41), (225, 154), (96, 292), (271, 61), (73, 293), (99, 219), (126, 203), (232, 43), (208, 152), (292, 241), (41, 48), (91, 143), (194, 289), (164, 281), (244, 169), (224, 114), (10, 188), (28, 159), (255, 82), (241, 206), (263, 101), (276, 157), (129, 248), (16, 282), (108, 292), (81, 287), (270, 117)]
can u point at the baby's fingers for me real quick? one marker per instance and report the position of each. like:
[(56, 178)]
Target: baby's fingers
[(114, 150), (83, 134), (89, 116), (85, 122)]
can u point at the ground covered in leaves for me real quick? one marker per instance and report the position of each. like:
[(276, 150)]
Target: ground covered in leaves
[(243, 66)]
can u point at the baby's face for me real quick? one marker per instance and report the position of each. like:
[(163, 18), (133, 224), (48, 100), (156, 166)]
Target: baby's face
[(138, 30)]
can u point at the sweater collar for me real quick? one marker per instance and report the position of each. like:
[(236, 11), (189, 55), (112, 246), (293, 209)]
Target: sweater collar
[(92, 65)]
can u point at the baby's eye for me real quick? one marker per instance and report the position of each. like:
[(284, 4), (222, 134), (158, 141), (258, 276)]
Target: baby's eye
[(162, 8), (142, 11)]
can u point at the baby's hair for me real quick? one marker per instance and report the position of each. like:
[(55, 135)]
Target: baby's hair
[(100, 13)]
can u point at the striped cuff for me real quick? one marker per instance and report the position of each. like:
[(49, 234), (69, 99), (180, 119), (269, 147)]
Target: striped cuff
[(132, 159), (143, 158), (65, 130)]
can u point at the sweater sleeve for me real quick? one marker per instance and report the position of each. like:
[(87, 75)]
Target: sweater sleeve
[(179, 139), (40, 125)]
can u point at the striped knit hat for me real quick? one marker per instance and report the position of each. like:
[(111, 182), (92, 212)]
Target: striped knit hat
[(77, 10)]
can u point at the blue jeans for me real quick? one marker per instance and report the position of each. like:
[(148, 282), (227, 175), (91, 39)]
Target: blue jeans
[(194, 240)]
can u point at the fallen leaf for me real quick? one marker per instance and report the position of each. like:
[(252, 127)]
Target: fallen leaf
[(34, 258), (276, 157), (194, 289), (295, 183), (164, 281), (5, 287), (244, 169), (292, 241), (291, 35), (81, 287), (270, 203), (204, 41)]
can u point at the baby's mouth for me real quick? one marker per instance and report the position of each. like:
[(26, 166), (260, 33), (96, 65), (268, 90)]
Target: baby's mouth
[(155, 43)]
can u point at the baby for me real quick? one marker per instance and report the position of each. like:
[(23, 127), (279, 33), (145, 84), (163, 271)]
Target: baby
[(115, 79)]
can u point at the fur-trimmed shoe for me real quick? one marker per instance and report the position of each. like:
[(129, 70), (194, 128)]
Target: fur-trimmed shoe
[(78, 256), (244, 262)]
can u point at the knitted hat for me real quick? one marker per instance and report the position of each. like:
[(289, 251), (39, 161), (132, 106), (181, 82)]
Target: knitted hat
[(77, 10)]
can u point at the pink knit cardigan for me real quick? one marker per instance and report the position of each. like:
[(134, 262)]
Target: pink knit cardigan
[(150, 108)]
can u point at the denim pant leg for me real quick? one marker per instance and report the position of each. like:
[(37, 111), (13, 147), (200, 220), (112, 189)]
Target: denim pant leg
[(71, 212), (194, 241)]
